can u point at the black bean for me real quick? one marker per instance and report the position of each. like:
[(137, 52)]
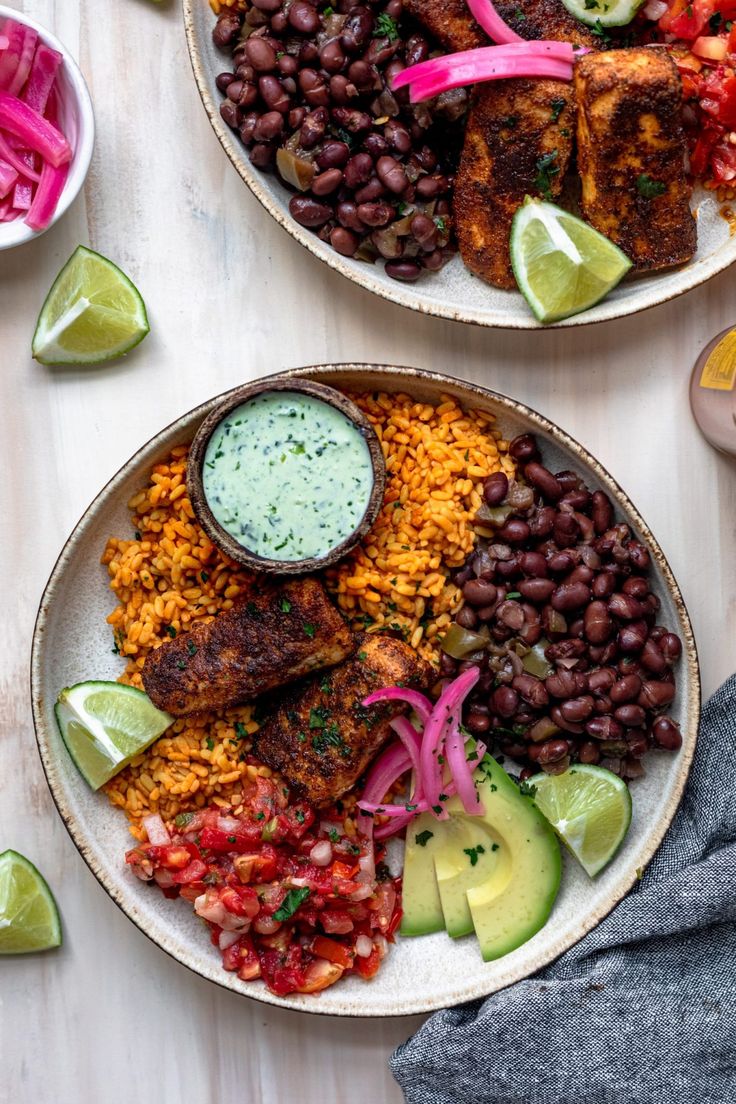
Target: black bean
[(671, 647), (543, 479), (604, 728), (542, 522), (631, 715), (229, 113), (624, 607), (327, 182), (308, 212), (269, 126), (352, 120), (495, 488), (667, 733), (536, 590), (375, 214), (524, 448), (357, 30), (589, 752), (313, 128), (625, 689), (552, 751), (273, 94), (598, 624), (371, 191), (566, 530), (332, 56), (358, 170), (504, 701), (391, 174), (333, 155), (226, 29), (577, 710), (604, 584), (347, 215), (479, 592), (344, 241), (570, 596), (514, 531), (651, 657), (260, 54), (638, 555), (531, 689), (262, 155), (559, 563), (654, 695), (577, 729), (223, 81), (303, 17), (424, 231), (602, 511), (632, 637)]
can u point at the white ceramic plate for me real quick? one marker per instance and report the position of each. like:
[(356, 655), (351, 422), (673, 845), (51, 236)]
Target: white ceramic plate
[(452, 293), (72, 642)]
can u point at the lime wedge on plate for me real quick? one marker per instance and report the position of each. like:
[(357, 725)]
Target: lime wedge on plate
[(604, 13), (29, 918), (92, 313), (105, 724), (562, 265), (589, 809)]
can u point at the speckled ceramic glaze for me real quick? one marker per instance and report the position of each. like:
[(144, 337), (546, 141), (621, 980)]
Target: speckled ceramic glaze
[(72, 643), (452, 293)]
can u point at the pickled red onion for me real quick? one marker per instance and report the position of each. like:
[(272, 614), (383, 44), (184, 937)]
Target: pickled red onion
[(486, 16), (420, 703)]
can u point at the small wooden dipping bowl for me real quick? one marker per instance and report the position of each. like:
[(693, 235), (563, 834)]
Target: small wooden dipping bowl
[(224, 540)]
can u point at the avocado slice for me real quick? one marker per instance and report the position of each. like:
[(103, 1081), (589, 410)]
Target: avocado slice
[(470, 857), (420, 895), (515, 902)]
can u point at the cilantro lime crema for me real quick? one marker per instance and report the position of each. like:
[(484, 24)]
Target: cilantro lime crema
[(287, 476)]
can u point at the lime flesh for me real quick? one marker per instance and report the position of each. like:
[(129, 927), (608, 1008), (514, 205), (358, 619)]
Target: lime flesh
[(562, 265), (604, 13), (29, 918), (105, 724), (589, 809), (92, 313)]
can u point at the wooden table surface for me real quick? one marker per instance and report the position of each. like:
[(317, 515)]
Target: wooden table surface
[(109, 1017)]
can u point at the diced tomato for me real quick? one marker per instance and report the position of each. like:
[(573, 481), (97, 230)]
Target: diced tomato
[(194, 872), (241, 956), (343, 870), (336, 921), (300, 819), (214, 839), (332, 951), (687, 19), (240, 901), (319, 975), (368, 967), (383, 905), (723, 163), (284, 973)]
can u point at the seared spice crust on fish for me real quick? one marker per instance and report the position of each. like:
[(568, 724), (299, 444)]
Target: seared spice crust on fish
[(320, 737), (449, 21), (631, 155), (274, 635), (518, 142)]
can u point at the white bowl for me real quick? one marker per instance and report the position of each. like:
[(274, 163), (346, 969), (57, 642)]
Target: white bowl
[(453, 292), (76, 120)]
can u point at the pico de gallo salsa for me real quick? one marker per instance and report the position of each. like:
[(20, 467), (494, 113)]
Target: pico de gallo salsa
[(701, 35), (295, 900)]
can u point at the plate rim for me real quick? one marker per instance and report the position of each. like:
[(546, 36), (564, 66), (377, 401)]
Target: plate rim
[(349, 1009), (402, 295)]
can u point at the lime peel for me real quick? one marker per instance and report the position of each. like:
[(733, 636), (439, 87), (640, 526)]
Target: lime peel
[(92, 313), (590, 810), (104, 725), (29, 918), (561, 264)]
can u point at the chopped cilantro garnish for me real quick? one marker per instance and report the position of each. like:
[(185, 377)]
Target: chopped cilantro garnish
[(291, 902), (182, 819), (285, 605), (299, 816), (547, 168), (191, 647), (260, 816), (526, 790), (309, 629), (558, 106), (210, 742), (649, 188), (474, 852), (422, 838), (385, 25), (171, 631)]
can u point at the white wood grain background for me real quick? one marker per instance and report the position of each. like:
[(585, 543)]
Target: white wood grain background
[(109, 1017)]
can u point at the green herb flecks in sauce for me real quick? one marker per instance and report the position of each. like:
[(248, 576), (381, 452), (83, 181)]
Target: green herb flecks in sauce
[(288, 476)]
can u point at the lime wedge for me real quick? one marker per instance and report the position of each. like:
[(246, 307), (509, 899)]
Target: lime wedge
[(92, 313), (104, 725), (562, 265), (604, 13), (29, 918), (589, 809)]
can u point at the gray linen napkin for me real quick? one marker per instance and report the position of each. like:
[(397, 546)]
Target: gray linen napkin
[(643, 1009)]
